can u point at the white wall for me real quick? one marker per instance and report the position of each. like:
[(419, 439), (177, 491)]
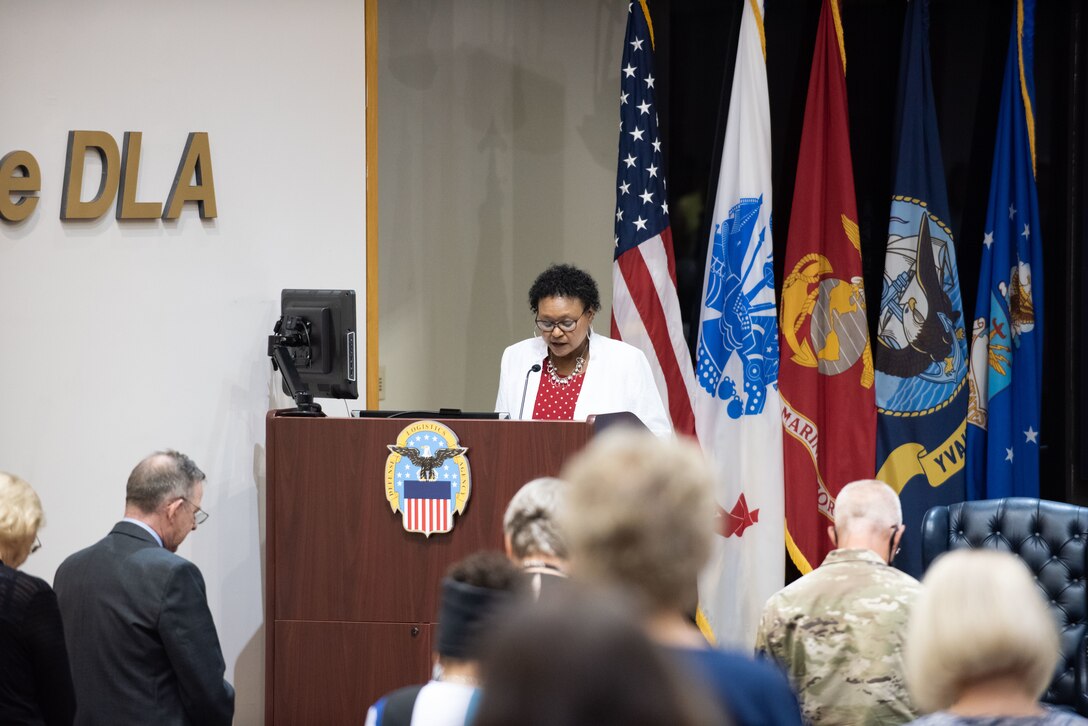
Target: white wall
[(498, 137), (122, 338)]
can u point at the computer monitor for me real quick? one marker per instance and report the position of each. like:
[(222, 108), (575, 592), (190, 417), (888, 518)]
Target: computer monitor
[(313, 346)]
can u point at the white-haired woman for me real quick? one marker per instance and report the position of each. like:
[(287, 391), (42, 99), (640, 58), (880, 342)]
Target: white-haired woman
[(531, 532), (35, 679), (982, 645)]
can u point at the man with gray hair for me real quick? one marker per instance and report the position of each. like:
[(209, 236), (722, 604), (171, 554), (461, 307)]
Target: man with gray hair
[(531, 533), (839, 630), (141, 641)]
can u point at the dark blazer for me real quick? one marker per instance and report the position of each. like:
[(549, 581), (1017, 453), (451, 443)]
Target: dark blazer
[(141, 640), (35, 682)]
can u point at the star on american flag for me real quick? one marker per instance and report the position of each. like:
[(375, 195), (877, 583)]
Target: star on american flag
[(640, 151)]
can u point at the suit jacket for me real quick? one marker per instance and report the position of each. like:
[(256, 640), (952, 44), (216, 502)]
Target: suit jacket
[(141, 640), (618, 378)]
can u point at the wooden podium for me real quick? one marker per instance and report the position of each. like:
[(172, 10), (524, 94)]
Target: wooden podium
[(351, 597)]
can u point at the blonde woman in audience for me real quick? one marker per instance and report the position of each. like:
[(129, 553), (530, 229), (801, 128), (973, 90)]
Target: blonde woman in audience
[(982, 645), (531, 532), (35, 678), (640, 517)]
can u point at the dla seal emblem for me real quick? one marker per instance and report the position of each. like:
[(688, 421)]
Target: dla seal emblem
[(427, 477), (739, 337)]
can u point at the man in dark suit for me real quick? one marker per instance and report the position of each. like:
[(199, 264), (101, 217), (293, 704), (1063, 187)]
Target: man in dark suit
[(141, 640)]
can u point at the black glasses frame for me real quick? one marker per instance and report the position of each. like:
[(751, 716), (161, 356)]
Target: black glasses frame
[(547, 326)]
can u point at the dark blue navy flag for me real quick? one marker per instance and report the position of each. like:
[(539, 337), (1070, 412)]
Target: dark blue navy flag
[(1007, 333), (921, 347)]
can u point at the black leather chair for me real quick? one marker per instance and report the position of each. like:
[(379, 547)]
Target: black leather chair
[(1052, 539)]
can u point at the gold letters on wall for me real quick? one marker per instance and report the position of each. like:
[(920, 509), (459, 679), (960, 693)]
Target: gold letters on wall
[(28, 180), (20, 177), (79, 142)]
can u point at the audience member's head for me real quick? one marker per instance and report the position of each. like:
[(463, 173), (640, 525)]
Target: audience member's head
[(578, 661), (980, 623), (474, 591), (640, 515), (531, 526), (868, 515), (20, 517), (165, 490)]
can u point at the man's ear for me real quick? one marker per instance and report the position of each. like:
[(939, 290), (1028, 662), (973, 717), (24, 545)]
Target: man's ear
[(831, 534), (898, 536)]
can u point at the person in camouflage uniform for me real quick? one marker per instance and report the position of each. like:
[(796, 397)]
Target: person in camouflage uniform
[(839, 631)]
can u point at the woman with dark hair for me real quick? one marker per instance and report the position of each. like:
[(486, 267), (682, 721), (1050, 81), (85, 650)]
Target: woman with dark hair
[(568, 372), (581, 661)]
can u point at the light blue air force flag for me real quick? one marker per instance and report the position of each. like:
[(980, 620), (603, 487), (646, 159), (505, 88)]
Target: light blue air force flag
[(1006, 332)]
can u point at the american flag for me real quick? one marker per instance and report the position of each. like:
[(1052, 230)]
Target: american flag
[(645, 310)]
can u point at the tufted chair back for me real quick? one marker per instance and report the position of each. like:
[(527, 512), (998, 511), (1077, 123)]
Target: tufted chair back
[(1051, 538)]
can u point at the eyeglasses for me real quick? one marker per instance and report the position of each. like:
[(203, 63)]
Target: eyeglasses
[(547, 326), (36, 546), (198, 514)]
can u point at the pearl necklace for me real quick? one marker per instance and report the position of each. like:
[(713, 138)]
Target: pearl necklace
[(561, 380)]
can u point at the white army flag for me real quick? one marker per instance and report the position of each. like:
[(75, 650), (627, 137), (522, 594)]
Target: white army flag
[(737, 406)]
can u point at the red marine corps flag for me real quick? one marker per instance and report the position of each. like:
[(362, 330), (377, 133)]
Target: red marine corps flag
[(826, 375)]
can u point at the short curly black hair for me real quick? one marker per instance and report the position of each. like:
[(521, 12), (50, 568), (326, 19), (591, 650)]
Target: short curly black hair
[(565, 281), (492, 570)]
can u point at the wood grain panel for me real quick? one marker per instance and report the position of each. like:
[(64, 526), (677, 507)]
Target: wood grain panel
[(330, 673), (341, 553)]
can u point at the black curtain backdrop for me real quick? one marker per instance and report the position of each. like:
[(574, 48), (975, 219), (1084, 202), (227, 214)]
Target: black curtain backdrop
[(696, 47)]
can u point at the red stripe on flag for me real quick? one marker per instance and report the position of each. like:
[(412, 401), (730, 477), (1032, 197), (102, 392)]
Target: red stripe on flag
[(643, 294), (666, 241)]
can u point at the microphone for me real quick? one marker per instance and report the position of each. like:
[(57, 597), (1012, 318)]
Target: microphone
[(525, 388)]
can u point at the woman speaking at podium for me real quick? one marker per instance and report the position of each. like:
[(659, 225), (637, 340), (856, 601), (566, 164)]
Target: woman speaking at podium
[(568, 372)]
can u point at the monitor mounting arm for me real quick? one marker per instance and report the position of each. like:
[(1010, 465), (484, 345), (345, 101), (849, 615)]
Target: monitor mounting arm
[(290, 340)]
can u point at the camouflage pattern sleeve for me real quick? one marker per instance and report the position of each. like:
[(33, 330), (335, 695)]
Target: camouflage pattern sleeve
[(838, 632)]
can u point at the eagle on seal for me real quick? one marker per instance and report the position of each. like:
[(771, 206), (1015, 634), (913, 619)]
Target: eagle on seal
[(427, 462)]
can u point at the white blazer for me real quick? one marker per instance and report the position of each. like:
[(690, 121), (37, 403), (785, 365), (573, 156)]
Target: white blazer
[(618, 378)]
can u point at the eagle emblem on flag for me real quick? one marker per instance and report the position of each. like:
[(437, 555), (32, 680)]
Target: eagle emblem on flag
[(427, 477), (739, 315)]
